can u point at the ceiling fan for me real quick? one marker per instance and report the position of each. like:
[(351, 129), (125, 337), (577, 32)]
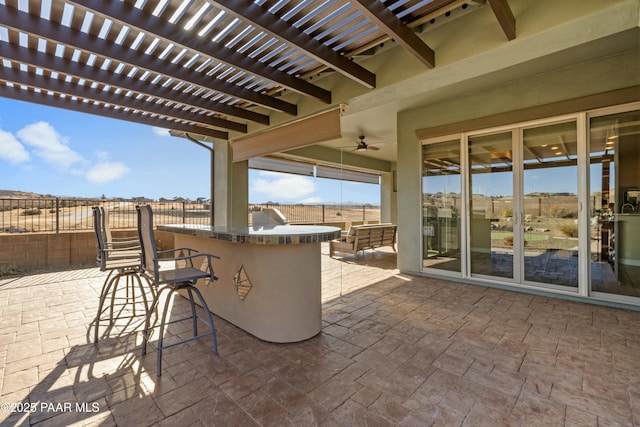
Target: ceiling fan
[(363, 146)]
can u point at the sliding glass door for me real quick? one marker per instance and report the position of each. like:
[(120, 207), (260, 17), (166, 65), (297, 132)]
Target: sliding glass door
[(523, 199), (550, 204), (491, 205), (614, 157), (549, 215), (442, 206)]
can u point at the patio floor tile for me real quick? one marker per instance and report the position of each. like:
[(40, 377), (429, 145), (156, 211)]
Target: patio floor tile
[(395, 350)]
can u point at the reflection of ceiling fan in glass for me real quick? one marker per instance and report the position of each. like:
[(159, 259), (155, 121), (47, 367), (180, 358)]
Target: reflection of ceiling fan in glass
[(363, 146)]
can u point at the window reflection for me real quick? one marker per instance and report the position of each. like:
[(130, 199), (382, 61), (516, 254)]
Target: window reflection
[(614, 157), (441, 206), (550, 220), (491, 205)]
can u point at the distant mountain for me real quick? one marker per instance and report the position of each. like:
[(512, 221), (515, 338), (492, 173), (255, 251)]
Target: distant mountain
[(13, 194)]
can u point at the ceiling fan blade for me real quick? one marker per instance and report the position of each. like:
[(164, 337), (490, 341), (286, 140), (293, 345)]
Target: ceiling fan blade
[(372, 147)]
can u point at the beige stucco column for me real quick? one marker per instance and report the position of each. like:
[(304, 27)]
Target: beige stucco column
[(231, 188), (388, 196)]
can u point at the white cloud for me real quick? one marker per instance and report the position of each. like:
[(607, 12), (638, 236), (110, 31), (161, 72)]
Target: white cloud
[(106, 171), (277, 186), (11, 149), (102, 155), (49, 145), (160, 131)]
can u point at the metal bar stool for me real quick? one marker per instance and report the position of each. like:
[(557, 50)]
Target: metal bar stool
[(169, 282), (122, 260)]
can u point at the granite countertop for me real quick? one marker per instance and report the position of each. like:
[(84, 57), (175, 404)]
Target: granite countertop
[(264, 235)]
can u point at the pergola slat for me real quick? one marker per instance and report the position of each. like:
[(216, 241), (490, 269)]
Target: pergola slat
[(90, 108), (271, 24), (210, 63), (68, 67), (55, 85), (33, 25), (148, 23)]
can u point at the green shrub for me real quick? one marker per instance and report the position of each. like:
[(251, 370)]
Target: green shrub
[(9, 270), (30, 212), (558, 212), (569, 230)]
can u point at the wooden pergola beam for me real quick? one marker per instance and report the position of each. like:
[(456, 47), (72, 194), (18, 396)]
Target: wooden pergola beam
[(37, 27), (274, 26), (147, 23), (47, 83), (381, 16), (65, 66), (100, 110), (505, 17)]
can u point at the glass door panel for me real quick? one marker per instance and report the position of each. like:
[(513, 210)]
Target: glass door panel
[(491, 205), (441, 205), (614, 154), (550, 215)]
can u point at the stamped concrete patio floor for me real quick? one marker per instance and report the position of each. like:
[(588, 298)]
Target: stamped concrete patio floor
[(394, 350)]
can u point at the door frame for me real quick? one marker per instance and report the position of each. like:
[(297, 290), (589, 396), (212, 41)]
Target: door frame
[(517, 135), (582, 119)]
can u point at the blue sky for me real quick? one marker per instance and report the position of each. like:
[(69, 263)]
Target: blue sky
[(64, 153)]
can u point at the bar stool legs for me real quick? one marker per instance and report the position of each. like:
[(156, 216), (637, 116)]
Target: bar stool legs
[(171, 291), (132, 281)]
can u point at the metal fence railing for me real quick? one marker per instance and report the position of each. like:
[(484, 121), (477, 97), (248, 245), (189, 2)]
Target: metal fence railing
[(323, 213), (62, 214), (74, 214)]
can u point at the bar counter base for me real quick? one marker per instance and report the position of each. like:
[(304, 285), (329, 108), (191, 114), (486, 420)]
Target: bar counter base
[(283, 303)]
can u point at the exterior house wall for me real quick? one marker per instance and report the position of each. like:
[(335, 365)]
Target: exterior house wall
[(601, 73)]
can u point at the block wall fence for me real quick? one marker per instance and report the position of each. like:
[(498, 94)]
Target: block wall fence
[(33, 250)]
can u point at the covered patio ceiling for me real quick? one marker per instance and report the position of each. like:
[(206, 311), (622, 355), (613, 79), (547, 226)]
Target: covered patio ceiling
[(218, 69)]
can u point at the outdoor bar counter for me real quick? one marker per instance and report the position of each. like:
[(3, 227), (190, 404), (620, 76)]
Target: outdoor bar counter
[(269, 278)]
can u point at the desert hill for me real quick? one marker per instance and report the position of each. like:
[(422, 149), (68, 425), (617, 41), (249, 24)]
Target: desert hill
[(14, 194)]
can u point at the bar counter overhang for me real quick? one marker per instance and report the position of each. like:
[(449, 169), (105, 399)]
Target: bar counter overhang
[(269, 277)]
